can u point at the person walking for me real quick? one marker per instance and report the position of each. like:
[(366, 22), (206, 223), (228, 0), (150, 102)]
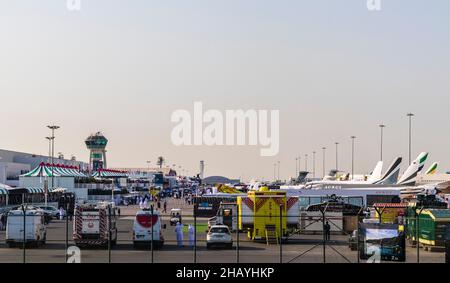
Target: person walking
[(165, 206)]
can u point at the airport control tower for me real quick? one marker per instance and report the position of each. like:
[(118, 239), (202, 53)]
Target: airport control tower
[(96, 143)]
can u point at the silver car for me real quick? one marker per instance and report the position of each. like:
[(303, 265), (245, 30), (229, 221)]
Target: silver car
[(219, 236)]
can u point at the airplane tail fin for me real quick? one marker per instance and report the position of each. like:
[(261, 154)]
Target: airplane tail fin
[(409, 177), (376, 173), (390, 177), (433, 169)]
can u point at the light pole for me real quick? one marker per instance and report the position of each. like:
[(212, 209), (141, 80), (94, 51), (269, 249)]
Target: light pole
[(299, 164), (274, 172), (49, 148), (306, 162), (410, 116), (337, 144), (279, 170), (314, 164), (382, 126), (296, 167), (323, 160), (353, 156), (52, 128)]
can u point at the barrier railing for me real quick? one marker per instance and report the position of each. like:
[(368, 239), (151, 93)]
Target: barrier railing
[(324, 238)]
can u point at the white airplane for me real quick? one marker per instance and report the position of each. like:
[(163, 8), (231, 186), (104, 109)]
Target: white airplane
[(376, 179)]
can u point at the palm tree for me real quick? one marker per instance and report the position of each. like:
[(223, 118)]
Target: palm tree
[(160, 162)]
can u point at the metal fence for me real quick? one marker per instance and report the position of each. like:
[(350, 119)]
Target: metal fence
[(324, 238)]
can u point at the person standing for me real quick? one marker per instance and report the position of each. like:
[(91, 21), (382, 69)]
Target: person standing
[(165, 206), (191, 231), (61, 213), (2, 221), (179, 232)]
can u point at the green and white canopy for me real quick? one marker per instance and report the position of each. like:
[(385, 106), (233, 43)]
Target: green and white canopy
[(106, 173), (55, 170), (35, 190), (4, 189)]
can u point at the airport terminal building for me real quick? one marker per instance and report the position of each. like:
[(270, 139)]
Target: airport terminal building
[(13, 164)]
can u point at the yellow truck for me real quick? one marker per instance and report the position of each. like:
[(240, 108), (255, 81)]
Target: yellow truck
[(259, 215)]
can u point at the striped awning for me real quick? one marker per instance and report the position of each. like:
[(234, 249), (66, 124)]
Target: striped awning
[(55, 170), (4, 189), (35, 190), (106, 173), (390, 205)]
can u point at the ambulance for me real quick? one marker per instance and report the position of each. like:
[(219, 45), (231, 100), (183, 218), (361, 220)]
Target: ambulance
[(145, 224)]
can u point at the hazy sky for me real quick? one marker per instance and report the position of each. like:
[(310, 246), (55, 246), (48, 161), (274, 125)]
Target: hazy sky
[(332, 68)]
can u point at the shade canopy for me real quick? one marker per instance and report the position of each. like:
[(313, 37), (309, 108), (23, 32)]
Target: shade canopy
[(107, 173), (55, 170)]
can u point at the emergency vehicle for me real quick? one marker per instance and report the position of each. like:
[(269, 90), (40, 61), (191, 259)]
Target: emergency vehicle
[(145, 223), (94, 225), (259, 215)]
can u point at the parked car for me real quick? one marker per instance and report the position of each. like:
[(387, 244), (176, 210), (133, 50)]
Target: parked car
[(219, 236), (50, 211)]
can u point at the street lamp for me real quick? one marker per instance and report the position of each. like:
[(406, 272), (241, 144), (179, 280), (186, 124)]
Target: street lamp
[(337, 144), (323, 161), (410, 116), (353, 156), (49, 148), (306, 162), (314, 164), (53, 128), (296, 167), (382, 126), (274, 171), (279, 170)]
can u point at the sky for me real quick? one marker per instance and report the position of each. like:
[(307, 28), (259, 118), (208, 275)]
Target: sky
[(332, 68)]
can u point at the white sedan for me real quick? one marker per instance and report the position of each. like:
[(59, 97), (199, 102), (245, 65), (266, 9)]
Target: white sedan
[(219, 235)]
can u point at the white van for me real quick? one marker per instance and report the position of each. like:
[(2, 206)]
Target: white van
[(142, 229), (35, 229)]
